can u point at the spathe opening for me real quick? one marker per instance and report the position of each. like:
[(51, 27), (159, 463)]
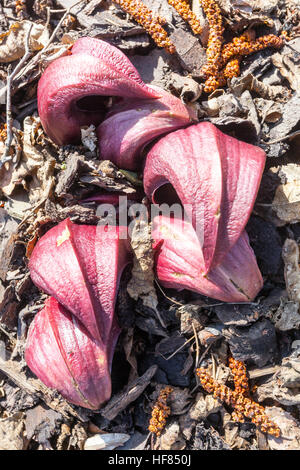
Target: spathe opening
[(166, 194), (92, 103), (168, 203)]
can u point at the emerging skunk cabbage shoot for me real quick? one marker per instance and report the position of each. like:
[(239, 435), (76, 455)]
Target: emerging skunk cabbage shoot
[(80, 267)]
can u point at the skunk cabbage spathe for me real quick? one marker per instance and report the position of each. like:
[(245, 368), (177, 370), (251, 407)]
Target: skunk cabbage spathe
[(80, 265), (216, 177), (134, 123), (180, 263), (65, 357), (70, 87), (71, 341)]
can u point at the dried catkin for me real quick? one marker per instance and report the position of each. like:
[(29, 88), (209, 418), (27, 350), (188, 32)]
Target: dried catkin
[(151, 23), (160, 412), (223, 61), (243, 406), (187, 14)]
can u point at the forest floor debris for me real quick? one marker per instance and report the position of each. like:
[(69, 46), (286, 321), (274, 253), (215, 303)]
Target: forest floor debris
[(166, 334)]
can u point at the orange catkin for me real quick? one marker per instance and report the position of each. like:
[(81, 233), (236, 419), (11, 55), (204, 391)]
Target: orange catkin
[(3, 132), (240, 378), (187, 14), (223, 61), (243, 406), (20, 7), (241, 47), (160, 412), (215, 39), (232, 68), (151, 23)]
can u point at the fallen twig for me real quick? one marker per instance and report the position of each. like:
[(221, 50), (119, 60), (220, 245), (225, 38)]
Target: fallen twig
[(276, 141), (165, 295), (120, 401), (178, 349), (254, 374), (197, 345), (57, 28), (9, 335), (52, 37), (6, 157), (200, 360), (36, 58), (35, 387), (214, 367)]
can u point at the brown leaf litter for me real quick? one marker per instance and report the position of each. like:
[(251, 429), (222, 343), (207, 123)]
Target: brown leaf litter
[(169, 334)]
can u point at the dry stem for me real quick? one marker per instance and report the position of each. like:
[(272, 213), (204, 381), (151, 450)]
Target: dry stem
[(6, 157)]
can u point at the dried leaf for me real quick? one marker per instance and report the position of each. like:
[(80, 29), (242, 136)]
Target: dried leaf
[(244, 13), (242, 7), (190, 53), (14, 153), (191, 318), (128, 349), (286, 202), (200, 410), (78, 437), (18, 204), (211, 107), (41, 423), (284, 385), (290, 255), (142, 281), (89, 138), (171, 438), (262, 5), (137, 441), (64, 434), (268, 110), (12, 43), (8, 228), (289, 427), (232, 437), (13, 370), (36, 163), (188, 89), (8, 307), (288, 63), (238, 114), (33, 69), (105, 441), (251, 83), (287, 316), (108, 176), (204, 406), (150, 325), (265, 240), (290, 119), (74, 165), (209, 335), (12, 436), (239, 315), (13, 398)]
